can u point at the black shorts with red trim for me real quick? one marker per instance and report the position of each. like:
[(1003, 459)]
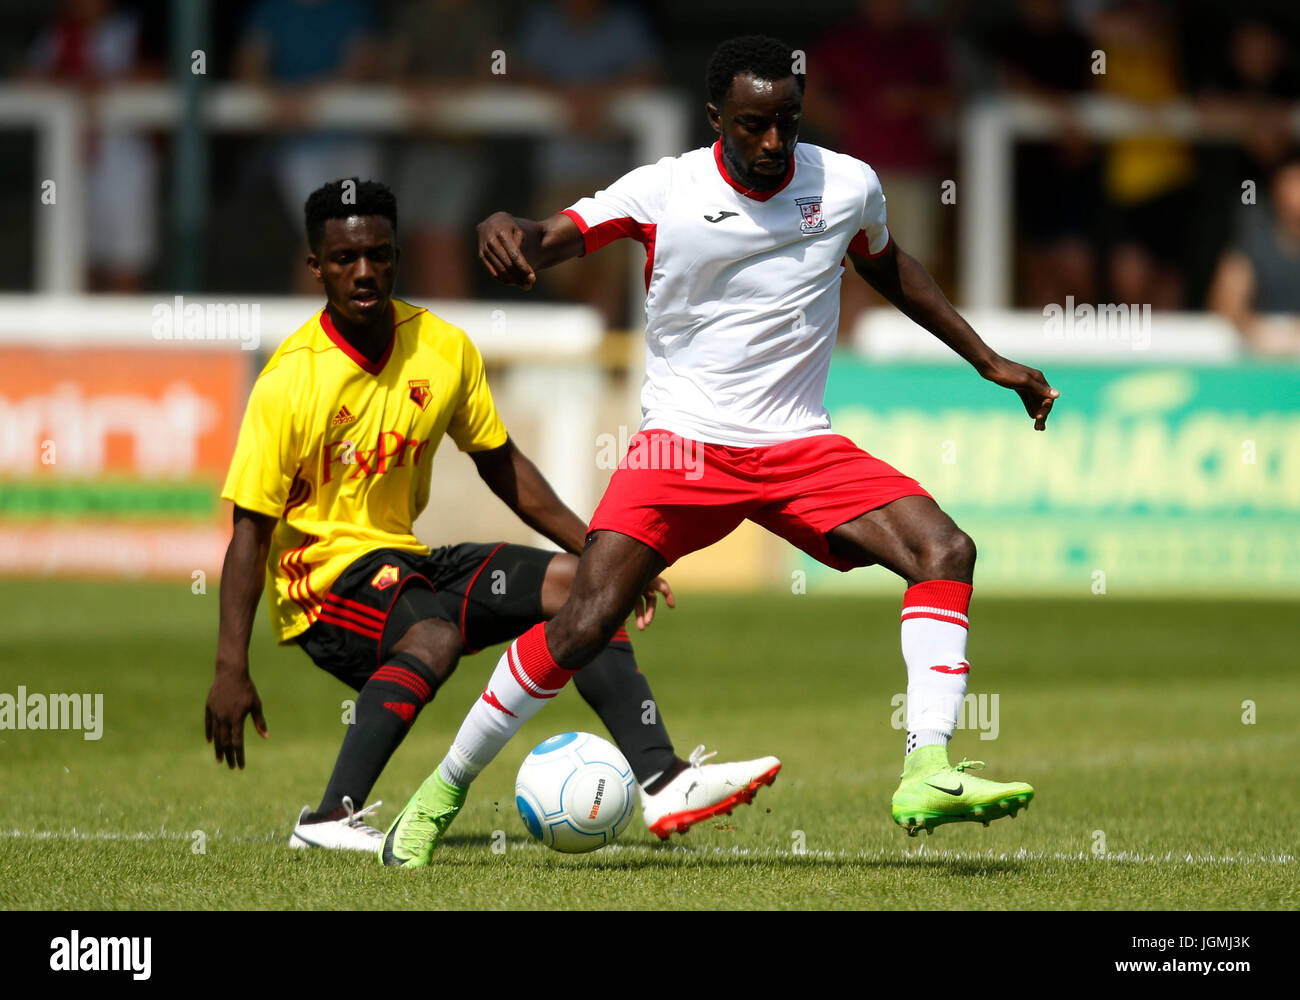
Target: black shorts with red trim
[(491, 592)]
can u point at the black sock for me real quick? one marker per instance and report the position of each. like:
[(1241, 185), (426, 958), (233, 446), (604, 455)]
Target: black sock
[(660, 783), (386, 707), (620, 694)]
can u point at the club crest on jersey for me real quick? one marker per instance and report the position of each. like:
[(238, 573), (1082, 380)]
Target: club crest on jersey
[(386, 577), (811, 210), (420, 394)]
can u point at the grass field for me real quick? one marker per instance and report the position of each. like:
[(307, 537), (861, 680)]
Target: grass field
[(1127, 718)]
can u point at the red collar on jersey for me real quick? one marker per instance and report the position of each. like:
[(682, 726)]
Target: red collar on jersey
[(364, 363), (750, 192)]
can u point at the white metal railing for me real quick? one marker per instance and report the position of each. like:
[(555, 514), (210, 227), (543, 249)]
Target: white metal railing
[(989, 130), (654, 120), (1111, 335)]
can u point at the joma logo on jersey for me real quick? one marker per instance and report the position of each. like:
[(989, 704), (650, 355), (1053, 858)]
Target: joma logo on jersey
[(811, 210), (389, 452)]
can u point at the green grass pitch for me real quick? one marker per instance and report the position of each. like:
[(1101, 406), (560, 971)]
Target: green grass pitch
[(1126, 716)]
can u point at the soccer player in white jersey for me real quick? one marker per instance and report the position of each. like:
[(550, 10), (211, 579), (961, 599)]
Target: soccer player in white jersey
[(744, 243)]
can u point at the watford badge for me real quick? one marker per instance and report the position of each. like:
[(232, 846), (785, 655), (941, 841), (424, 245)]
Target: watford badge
[(420, 394)]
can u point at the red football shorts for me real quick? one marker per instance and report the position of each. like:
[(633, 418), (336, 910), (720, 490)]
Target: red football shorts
[(678, 495)]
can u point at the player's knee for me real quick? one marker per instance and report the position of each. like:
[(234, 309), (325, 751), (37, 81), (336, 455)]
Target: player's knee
[(558, 582), (435, 643), (954, 556), (946, 556)]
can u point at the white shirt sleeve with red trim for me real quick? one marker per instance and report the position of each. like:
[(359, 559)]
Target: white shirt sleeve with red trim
[(631, 207), (873, 237)]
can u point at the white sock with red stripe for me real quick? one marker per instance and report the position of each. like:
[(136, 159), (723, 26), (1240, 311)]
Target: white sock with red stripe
[(934, 628), (525, 679)]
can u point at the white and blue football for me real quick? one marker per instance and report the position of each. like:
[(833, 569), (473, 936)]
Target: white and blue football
[(575, 792)]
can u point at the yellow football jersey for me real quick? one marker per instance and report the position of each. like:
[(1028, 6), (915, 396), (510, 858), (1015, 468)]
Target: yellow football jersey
[(340, 449)]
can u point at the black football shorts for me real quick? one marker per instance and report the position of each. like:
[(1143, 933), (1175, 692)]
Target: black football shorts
[(492, 592)]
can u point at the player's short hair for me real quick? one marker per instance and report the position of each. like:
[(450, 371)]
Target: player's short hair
[(763, 56), (363, 198)]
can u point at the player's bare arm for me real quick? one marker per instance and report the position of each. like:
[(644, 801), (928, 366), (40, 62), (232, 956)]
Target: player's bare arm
[(513, 477), (233, 697), (514, 249), (901, 279)]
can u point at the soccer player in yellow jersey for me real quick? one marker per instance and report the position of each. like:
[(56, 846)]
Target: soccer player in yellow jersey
[(331, 469)]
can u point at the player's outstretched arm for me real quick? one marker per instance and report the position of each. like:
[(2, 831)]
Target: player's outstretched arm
[(232, 696), (901, 279), (512, 476), (514, 249)]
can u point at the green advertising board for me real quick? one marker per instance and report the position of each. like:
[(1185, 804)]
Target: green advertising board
[(1148, 480)]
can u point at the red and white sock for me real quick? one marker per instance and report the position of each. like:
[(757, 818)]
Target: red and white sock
[(525, 679), (934, 628)]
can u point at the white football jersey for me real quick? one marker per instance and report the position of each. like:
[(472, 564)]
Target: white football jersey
[(742, 287)]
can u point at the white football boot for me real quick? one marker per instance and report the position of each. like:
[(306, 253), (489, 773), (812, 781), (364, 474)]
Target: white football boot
[(351, 833), (704, 790)]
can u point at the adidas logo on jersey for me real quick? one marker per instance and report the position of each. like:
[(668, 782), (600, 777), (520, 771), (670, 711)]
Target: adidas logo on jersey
[(344, 416)]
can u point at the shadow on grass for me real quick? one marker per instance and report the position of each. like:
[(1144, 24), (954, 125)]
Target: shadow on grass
[(473, 851), (643, 858)]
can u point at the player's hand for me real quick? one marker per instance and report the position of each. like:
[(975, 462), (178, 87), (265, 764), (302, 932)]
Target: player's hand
[(232, 698), (499, 248), (645, 605), (1030, 384)]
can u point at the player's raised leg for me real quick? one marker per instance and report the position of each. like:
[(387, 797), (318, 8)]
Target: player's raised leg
[(919, 542), (613, 573), (614, 688), (675, 794)]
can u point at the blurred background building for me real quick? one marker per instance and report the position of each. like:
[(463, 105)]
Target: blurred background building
[(1077, 155)]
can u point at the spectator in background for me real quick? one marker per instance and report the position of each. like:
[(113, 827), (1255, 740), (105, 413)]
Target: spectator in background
[(1043, 57), (88, 44), (877, 87), (1147, 177), (586, 52), (1255, 90), (293, 45), (1257, 284), (437, 46)]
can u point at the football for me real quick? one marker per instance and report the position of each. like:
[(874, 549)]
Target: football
[(575, 792)]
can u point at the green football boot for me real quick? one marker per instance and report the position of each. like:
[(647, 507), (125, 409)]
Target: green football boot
[(934, 792), (411, 839)]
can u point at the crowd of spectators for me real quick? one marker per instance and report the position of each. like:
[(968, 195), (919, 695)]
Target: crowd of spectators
[(1177, 222)]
